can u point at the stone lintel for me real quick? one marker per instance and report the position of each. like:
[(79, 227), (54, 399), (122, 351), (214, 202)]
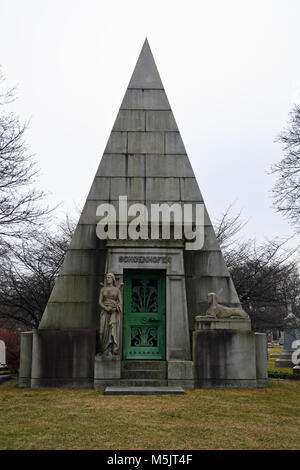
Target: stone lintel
[(207, 323)]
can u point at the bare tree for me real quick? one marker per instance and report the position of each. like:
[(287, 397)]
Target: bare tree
[(287, 188), (28, 275), (20, 207), (265, 274)]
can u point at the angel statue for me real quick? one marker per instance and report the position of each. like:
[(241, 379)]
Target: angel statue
[(110, 301)]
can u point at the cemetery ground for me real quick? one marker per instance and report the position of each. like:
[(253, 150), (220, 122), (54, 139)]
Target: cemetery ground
[(81, 418)]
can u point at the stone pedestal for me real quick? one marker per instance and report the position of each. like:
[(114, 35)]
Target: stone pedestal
[(181, 373), (227, 353), (63, 358), (25, 359), (107, 371)]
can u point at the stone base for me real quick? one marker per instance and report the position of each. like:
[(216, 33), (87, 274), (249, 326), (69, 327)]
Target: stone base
[(296, 369), (285, 358), (143, 391), (181, 373), (63, 358), (229, 357), (107, 371)]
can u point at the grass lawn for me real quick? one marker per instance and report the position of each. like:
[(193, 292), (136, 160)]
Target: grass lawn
[(77, 418)]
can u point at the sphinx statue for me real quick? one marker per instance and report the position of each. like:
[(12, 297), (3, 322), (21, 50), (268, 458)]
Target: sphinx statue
[(217, 310)]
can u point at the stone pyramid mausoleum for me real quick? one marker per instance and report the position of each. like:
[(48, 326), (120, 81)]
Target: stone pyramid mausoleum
[(160, 333)]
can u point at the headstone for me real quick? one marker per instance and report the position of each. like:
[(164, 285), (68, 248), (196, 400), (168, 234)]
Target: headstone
[(2, 353), (291, 334)]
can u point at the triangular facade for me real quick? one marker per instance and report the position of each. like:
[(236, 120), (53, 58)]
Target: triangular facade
[(146, 160)]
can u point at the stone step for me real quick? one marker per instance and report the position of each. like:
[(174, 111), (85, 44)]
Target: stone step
[(146, 390), (143, 374), (135, 365), (143, 382)]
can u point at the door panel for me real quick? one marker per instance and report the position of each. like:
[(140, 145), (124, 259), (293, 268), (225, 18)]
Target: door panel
[(144, 319)]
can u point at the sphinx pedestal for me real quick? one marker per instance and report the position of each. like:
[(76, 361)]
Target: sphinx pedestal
[(226, 353)]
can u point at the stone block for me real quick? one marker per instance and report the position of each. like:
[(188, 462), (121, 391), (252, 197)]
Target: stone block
[(25, 359), (133, 188), (145, 99), (238, 324), (83, 262), (145, 142), (130, 121), (63, 358), (174, 143), (163, 189), (178, 336), (100, 189), (168, 166), (59, 315), (160, 121), (145, 74), (189, 190), (261, 351), (180, 370), (205, 263), (136, 165), (107, 371), (224, 358), (73, 288), (117, 143), (84, 238), (112, 165), (210, 239)]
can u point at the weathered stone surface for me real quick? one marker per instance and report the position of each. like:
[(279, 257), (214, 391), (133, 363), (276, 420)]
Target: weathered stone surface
[(84, 238), (107, 371), (145, 99), (205, 264), (145, 74), (25, 359), (83, 262), (224, 358), (99, 189), (145, 142), (189, 190), (112, 165), (203, 323), (261, 352), (174, 143), (117, 143), (136, 165), (130, 121), (203, 285), (73, 288), (168, 166), (64, 315), (63, 358), (2, 352), (163, 189), (133, 188), (160, 121)]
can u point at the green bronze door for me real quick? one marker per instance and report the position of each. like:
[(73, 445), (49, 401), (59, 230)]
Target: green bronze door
[(144, 319)]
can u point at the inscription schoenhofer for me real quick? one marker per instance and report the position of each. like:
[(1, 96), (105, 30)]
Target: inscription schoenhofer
[(145, 259)]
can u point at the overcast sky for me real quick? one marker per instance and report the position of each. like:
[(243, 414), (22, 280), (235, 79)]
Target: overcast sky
[(231, 71)]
